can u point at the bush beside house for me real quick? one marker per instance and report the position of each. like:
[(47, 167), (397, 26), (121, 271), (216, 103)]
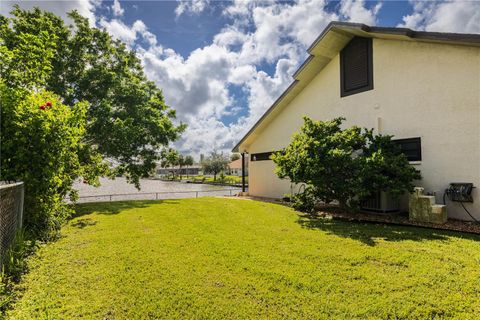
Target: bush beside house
[(344, 165)]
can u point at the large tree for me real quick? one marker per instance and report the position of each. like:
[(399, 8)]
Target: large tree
[(215, 163), (127, 120), (73, 101)]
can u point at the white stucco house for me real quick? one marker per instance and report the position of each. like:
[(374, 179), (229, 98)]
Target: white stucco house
[(421, 87)]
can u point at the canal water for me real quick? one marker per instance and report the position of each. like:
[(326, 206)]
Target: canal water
[(119, 189)]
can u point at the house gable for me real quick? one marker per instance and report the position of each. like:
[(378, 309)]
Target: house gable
[(328, 45)]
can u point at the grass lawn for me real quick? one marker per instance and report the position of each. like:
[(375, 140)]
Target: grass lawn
[(213, 258), (201, 178), (227, 179)]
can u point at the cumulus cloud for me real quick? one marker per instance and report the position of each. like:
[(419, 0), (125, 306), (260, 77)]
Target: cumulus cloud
[(199, 86), (355, 11), (193, 6), (60, 7), (452, 16), (128, 34), (117, 8), (261, 32)]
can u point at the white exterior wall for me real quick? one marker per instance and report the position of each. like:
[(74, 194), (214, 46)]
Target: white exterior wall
[(421, 89)]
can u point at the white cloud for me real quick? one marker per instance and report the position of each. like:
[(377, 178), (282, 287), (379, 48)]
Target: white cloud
[(261, 32), (196, 86), (264, 89), (128, 34), (60, 7), (355, 11), (119, 30), (452, 16), (117, 9), (192, 6), (199, 86)]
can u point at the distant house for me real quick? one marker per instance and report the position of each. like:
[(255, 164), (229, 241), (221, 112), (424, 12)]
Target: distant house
[(235, 168), (421, 87), (190, 171)]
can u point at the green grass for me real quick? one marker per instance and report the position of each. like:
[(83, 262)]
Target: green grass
[(213, 258), (227, 179), (201, 178)]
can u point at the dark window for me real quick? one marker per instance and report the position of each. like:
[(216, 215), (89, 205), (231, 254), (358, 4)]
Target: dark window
[(261, 156), (356, 67), (412, 148)]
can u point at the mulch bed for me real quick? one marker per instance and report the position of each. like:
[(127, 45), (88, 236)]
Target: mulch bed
[(398, 219)]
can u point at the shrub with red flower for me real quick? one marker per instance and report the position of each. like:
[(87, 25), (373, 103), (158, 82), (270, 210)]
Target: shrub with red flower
[(44, 106), (45, 152)]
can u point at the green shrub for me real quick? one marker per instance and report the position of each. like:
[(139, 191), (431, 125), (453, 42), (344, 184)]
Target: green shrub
[(43, 149), (222, 177), (304, 201), (343, 165)]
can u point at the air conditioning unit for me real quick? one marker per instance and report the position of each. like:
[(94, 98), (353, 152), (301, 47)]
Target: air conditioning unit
[(381, 202)]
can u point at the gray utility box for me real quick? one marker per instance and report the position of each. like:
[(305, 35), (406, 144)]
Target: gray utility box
[(381, 202)]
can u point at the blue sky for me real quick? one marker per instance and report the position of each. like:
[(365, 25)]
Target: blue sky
[(222, 64), (190, 31)]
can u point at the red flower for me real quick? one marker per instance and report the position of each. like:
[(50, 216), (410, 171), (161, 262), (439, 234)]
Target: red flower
[(49, 104), (42, 107)]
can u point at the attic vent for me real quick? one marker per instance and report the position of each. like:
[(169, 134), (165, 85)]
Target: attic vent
[(356, 66)]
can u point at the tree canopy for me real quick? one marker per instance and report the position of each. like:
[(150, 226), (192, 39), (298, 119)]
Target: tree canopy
[(127, 120), (188, 161), (215, 163), (75, 103)]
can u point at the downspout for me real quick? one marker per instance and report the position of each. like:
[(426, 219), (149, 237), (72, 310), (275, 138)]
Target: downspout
[(243, 172)]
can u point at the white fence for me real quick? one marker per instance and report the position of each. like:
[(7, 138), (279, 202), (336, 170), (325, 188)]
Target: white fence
[(11, 213)]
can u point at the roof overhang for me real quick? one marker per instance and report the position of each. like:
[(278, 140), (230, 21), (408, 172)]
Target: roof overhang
[(330, 42)]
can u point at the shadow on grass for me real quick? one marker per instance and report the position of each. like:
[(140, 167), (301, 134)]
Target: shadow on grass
[(115, 207), (82, 223), (368, 232)]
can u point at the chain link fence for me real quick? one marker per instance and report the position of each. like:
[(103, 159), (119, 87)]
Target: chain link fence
[(159, 195), (11, 213)]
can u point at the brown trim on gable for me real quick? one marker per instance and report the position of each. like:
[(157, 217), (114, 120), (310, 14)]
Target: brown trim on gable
[(466, 38), (303, 65)]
